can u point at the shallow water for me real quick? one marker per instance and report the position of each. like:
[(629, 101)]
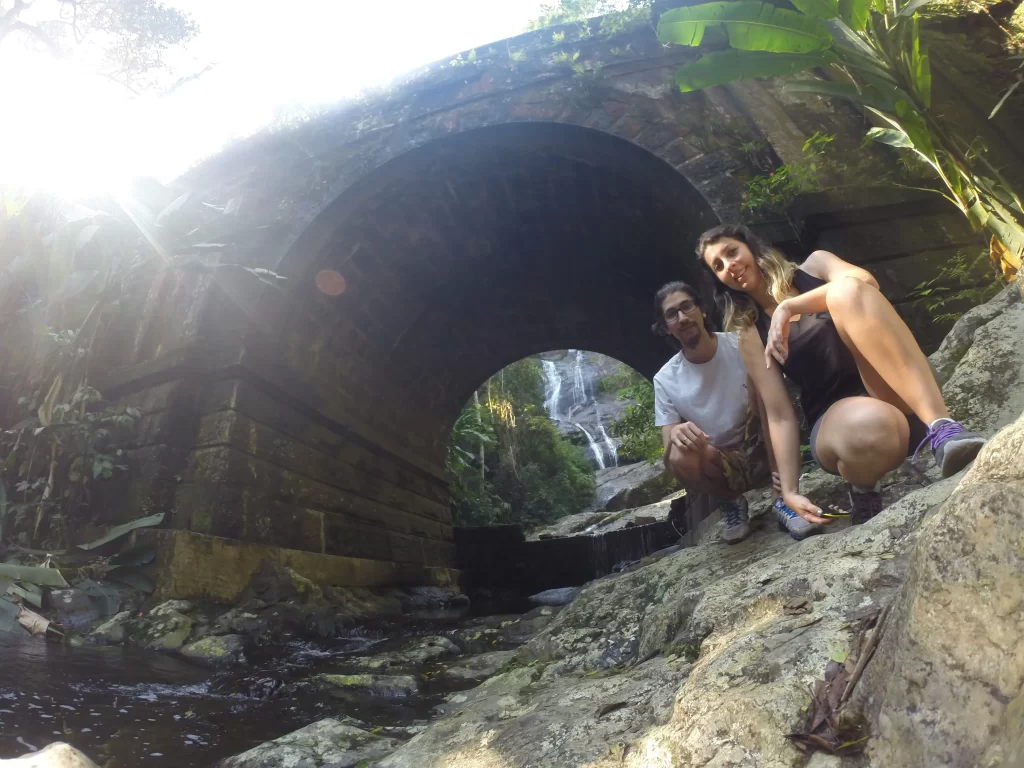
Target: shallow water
[(126, 707)]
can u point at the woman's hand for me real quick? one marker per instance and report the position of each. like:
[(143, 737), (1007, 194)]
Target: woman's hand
[(804, 507), (777, 343)]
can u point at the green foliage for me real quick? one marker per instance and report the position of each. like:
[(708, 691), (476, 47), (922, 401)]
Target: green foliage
[(641, 440), (887, 71), (72, 274), (620, 379), (776, 191), (962, 281), (508, 462), (618, 15)]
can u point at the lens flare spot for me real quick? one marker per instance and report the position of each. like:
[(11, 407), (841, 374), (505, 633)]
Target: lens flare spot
[(330, 282)]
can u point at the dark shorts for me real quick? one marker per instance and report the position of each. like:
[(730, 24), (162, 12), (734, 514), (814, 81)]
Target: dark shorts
[(918, 429)]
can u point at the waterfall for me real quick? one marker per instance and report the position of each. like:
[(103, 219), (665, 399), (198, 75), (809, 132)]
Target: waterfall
[(579, 385), (552, 389), (613, 452), (594, 447)]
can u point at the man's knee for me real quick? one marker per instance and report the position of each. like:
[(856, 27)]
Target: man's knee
[(684, 463)]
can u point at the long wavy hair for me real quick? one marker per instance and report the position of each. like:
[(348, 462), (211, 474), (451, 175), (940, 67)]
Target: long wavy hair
[(739, 310), (658, 327)]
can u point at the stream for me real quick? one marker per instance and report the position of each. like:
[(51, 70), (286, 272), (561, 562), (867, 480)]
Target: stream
[(125, 707)]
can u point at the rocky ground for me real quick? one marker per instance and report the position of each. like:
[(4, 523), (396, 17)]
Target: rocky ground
[(893, 644)]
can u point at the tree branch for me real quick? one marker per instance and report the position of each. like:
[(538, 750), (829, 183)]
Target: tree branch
[(187, 79)]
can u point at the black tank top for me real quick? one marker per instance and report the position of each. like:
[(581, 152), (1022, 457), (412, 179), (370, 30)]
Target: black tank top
[(819, 363)]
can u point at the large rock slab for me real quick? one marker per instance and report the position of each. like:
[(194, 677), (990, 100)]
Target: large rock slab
[(57, 755), (325, 743), (946, 685), (985, 389)]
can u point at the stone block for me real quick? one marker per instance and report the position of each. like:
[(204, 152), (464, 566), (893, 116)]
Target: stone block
[(193, 567)]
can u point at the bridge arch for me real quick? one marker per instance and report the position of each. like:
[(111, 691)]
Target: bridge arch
[(468, 253)]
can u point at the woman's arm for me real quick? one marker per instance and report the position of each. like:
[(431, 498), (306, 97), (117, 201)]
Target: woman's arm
[(824, 266), (783, 429)]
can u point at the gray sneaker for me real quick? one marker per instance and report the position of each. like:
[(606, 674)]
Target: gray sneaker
[(792, 523), (952, 445), (737, 523)]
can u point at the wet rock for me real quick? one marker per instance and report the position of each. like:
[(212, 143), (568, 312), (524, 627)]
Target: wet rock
[(555, 597), (217, 651), (946, 682), (634, 485), (529, 624), (475, 669), (325, 743), (482, 640), (114, 630), (420, 651), (418, 599), (165, 628), (273, 583), (57, 755), (386, 686)]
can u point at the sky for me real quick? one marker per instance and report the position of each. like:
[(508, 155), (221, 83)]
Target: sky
[(64, 129)]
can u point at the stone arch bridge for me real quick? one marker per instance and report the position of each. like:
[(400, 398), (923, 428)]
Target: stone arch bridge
[(488, 208)]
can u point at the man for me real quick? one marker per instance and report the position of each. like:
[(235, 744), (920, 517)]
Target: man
[(704, 403)]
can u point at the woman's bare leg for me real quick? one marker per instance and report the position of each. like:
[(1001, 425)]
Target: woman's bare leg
[(891, 363), (861, 439)]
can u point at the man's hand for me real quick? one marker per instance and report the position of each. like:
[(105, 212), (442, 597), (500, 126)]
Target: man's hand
[(804, 507), (777, 343), (688, 436)]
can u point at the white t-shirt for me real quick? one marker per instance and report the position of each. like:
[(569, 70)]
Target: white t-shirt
[(713, 395)]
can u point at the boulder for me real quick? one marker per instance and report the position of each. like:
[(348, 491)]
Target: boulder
[(385, 686), (71, 609), (980, 364), (555, 597), (946, 685), (273, 582), (56, 755), (217, 651), (475, 669), (325, 743), (634, 485), (113, 630), (418, 652), (165, 628)]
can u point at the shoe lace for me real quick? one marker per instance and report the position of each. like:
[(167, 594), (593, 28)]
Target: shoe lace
[(784, 508), (938, 435), (733, 514)]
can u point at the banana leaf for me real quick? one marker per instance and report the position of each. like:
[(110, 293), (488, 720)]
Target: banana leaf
[(855, 13), (890, 136), (8, 615), (729, 66), (120, 530), (29, 592), (818, 9), (920, 66), (43, 577), (867, 96), (912, 7), (750, 24)]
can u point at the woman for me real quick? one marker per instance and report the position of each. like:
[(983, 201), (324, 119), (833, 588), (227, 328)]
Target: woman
[(865, 386)]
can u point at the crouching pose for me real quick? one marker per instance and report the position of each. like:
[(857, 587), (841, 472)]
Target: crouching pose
[(866, 388), (702, 402)]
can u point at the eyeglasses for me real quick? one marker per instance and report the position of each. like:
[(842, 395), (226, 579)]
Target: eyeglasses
[(672, 315)]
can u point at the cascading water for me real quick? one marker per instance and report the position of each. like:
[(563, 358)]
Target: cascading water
[(579, 384), (594, 448), (613, 451), (553, 387)]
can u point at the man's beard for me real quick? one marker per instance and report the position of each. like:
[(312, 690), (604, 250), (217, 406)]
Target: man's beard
[(691, 339)]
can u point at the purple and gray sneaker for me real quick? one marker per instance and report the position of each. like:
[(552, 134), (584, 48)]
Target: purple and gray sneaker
[(790, 522), (952, 445)]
